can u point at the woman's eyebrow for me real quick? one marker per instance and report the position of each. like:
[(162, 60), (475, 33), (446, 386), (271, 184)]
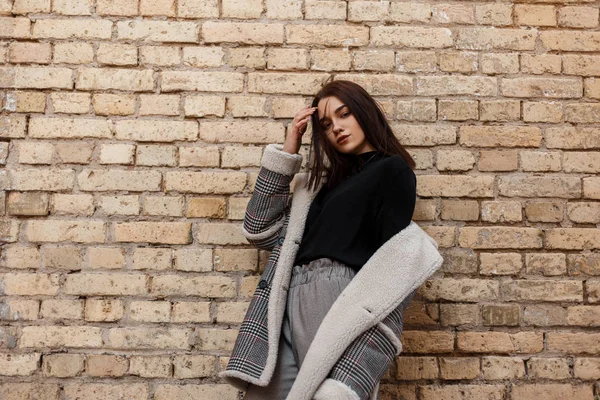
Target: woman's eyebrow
[(335, 112)]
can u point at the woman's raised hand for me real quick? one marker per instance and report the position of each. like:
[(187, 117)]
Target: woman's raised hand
[(296, 129)]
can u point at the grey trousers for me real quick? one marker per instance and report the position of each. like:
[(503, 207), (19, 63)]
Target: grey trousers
[(313, 289)]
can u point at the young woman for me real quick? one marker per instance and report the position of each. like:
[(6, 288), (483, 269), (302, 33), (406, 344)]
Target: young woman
[(346, 259)]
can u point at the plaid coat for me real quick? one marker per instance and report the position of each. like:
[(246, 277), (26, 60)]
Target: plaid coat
[(360, 335)]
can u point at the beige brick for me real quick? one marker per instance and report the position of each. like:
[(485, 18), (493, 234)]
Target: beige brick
[(191, 312), (232, 312), (159, 104), (106, 365), (584, 212), (484, 38), (368, 11), (583, 315), (287, 59), (591, 188), (9, 230), (35, 152), (409, 12), (501, 314), (99, 391), (250, 57), (71, 103), (215, 339), (381, 84), (496, 14), (26, 52), (63, 257), (152, 258), (458, 110), (158, 31), (422, 110), (19, 364), (467, 290), (459, 367), (460, 210), (327, 35), (213, 81), (114, 78), (211, 391), (330, 60), (592, 88), (291, 9), (72, 7), (156, 155), (424, 135), (111, 180), (20, 310), (407, 36), (501, 211), (455, 85), (500, 263), (164, 131), (200, 106), (425, 342), (205, 182), (247, 33), (193, 366), (582, 113), (331, 10), (150, 311), (61, 309), (160, 55), (544, 315), (72, 29), (113, 153), (586, 368), (203, 57), (14, 127), (166, 206), (106, 258), (452, 14), (153, 232), (542, 211), (242, 9), (459, 62), (198, 8), (114, 7), (578, 17), (237, 208), (190, 259), (235, 260), (199, 156), (498, 136), (3, 153), (538, 161), (496, 237), (105, 284), (73, 53), (61, 336), (113, 104), (29, 284), (245, 106), (117, 54), (27, 203), (540, 63), (286, 107), (535, 15), (575, 342), (459, 261), (75, 204), (500, 368), (68, 128), (552, 391), (103, 310), (500, 63), (205, 286), (422, 158), (416, 61), (88, 231), (200, 207), (248, 286), (411, 368), (241, 156), (42, 179), (119, 205), (454, 186), (542, 87), (500, 342), (150, 366), (583, 263), (31, 6), (542, 289), (21, 257), (14, 391), (572, 238), (285, 83), (62, 365), (148, 338), (540, 186)]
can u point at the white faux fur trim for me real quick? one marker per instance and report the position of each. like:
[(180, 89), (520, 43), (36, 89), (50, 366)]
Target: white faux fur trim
[(277, 160), (331, 389), (265, 234)]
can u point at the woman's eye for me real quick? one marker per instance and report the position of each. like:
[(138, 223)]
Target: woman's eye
[(344, 115)]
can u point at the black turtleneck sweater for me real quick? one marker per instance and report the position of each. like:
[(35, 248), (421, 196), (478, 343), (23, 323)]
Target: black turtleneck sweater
[(351, 221)]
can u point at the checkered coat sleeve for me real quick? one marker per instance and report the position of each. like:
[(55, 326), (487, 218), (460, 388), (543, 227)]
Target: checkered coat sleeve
[(270, 201), (366, 360)]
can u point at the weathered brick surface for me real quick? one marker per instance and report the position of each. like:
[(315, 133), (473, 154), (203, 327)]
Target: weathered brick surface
[(131, 136)]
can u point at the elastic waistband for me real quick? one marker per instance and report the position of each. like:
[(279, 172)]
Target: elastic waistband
[(322, 268)]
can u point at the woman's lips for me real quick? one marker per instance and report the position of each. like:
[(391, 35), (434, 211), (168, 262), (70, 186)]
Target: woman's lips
[(343, 139)]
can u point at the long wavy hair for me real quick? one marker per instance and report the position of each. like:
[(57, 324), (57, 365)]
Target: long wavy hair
[(371, 118)]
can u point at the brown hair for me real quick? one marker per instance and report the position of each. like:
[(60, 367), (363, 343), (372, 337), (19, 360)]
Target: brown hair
[(372, 120)]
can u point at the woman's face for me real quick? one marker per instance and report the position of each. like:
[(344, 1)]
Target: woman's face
[(341, 127)]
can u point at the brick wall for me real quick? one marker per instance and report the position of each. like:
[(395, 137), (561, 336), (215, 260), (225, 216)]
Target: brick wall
[(131, 135)]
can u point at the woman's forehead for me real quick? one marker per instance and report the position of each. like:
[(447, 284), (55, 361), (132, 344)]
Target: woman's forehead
[(328, 105)]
